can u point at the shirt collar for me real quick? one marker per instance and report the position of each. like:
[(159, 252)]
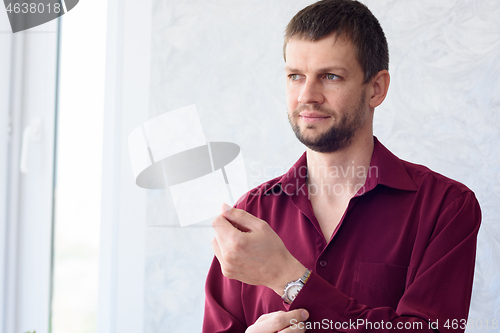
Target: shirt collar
[(385, 169)]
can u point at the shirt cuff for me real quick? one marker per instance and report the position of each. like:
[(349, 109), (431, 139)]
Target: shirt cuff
[(320, 299)]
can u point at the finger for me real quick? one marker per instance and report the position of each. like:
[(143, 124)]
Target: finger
[(296, 328), (296, 321), (241, 219), (216, 248), (279, 321), (223, 228), (225, 207), (220, 245), (226, 236)]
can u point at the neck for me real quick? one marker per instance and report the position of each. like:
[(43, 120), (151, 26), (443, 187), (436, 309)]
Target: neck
[(340, 173)]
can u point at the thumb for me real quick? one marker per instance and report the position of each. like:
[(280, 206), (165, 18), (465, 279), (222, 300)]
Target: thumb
[(239, 218), (225, 207)]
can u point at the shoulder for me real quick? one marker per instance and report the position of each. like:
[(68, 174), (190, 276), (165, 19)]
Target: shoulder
[(437, 188), (423, 176), (259, 192)]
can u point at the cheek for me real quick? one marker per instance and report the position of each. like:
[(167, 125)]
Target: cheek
[(291, 100), (340, 100), (290, 108), (292, 92)]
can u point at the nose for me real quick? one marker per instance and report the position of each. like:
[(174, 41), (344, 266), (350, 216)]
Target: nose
[(311, 93)]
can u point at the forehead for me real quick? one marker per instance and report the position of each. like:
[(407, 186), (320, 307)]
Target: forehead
[(327, 52)]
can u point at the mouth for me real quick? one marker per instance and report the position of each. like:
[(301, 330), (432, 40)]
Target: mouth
[(313, 116)]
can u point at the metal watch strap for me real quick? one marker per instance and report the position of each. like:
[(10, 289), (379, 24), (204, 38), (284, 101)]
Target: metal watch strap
[(305, 277), (300, 282)]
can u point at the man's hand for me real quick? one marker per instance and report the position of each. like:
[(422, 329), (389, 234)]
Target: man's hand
[(280, 321), (251, 252)]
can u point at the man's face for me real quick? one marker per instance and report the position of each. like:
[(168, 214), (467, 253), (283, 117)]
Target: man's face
[(325, 93)]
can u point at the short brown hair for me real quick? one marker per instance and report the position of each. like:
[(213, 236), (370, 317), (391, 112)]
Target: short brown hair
[(346, 18)]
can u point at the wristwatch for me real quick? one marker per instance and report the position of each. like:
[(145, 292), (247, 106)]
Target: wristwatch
[(292, 289)]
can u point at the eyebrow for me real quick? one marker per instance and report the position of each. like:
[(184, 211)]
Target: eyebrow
[(321, 70)]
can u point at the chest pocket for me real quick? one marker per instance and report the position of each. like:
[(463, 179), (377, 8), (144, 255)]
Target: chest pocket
[(378, 284)]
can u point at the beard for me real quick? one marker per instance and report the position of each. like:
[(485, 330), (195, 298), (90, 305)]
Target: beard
[(338, 136)]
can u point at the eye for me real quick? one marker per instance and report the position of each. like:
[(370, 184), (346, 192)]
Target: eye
[(294, 77), (330, 76)]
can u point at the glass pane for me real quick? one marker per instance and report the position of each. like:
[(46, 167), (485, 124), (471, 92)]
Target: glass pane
[(78, 169)]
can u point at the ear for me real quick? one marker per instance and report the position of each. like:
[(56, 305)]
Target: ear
[(379, 85)]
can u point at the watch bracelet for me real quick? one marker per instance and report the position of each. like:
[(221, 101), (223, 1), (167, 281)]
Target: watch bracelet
[(306, 276)]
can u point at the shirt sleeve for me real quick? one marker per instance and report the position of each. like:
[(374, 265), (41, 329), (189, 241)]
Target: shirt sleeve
[(438, 289), (223, 308)]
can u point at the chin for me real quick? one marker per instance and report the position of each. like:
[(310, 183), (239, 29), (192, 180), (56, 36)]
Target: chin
[(311, 131)]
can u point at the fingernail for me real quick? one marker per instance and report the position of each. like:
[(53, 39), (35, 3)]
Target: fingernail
[(226, 207), (304, 314)]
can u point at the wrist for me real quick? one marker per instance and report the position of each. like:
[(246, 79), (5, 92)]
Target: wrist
[(296, 271)]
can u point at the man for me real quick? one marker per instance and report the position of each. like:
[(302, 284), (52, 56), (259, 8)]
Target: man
[(351, 238)]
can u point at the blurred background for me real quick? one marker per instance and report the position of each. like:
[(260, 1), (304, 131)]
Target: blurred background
[(83, 249)]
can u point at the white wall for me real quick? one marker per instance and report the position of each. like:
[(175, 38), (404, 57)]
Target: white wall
[(443, 110)]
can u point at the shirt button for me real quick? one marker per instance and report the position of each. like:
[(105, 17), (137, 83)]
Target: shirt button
[(323, 263)]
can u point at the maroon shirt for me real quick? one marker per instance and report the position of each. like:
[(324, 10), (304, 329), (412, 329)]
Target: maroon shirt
[(403, 253)]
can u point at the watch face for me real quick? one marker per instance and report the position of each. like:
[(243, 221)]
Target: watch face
[(293, 291)]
